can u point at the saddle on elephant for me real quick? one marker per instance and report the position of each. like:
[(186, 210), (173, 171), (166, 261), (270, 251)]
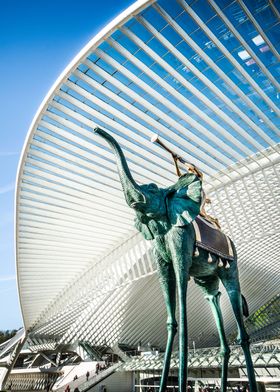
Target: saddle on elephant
[(209, 237)]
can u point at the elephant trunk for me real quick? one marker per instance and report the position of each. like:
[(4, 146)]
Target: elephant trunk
[(131, 189)]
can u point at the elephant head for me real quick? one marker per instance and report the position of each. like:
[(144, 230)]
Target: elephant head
[(157, 209)]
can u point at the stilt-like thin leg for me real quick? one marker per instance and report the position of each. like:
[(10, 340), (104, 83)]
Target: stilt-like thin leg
[(183, 334), (214, 301), (210, 286), (168, 285), (243, 337), (230, 280), (181, 247)]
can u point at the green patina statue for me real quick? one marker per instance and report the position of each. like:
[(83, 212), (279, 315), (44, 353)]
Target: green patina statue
[(164, 216)]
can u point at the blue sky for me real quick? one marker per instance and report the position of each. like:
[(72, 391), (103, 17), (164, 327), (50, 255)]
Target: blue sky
[(37, 41)]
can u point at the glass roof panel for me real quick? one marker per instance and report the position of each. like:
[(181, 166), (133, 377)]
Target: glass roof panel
[(155, 18), (173, 8), (203, 9), (263, 13), (186, 22), (274, 35), (206, 44), (221, 31)]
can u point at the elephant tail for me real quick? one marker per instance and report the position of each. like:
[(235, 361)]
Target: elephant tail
[(245, 307)]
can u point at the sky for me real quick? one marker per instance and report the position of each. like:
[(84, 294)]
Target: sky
[(38, 39)]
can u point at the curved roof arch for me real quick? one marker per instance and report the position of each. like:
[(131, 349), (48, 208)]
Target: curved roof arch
[(205, 78)]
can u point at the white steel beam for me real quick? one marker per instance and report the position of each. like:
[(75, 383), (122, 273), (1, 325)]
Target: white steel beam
[(258, 28), (218, 70), (229, 56), (245, 44), (172, 49)]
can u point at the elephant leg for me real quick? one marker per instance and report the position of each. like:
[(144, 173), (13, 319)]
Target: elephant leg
[(243, 337), (168, 286), (181, 244), (183, 333), (232, 286), (210, 287)]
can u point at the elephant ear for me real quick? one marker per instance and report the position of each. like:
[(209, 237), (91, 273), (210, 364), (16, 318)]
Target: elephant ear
[(184, 200)]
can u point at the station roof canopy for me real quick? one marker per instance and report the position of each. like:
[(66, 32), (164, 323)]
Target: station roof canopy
[(204, 76)]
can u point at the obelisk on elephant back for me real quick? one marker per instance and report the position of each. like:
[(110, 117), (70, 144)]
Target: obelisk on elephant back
[(171, 218)]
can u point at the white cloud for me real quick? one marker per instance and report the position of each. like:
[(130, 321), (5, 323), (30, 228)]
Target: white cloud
[(7, 290), (7, 278), (7, 188), (8, 153)]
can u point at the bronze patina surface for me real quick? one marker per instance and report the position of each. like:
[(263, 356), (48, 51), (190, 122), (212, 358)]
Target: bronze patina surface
[(164, 216)]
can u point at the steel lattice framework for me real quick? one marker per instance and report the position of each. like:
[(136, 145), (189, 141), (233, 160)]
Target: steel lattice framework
[(263, 355), (204, 76)]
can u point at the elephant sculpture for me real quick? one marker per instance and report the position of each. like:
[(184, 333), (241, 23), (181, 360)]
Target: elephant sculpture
[(164, 216)]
